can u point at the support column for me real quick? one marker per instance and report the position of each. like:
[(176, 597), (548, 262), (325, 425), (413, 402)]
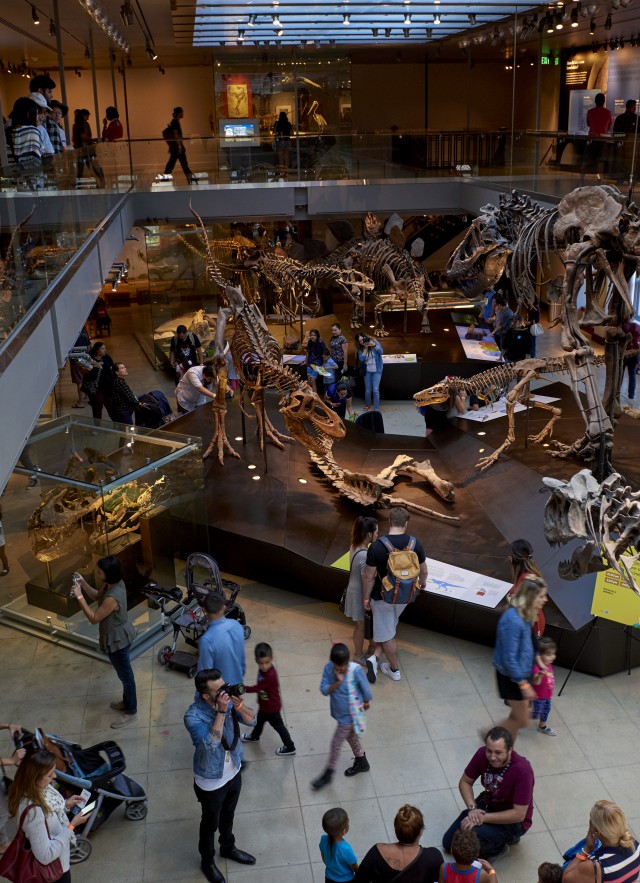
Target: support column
[(63, 84), (95, 84)]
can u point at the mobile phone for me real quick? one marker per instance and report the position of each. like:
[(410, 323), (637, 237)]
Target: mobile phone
[(86, 810), (476, 864), (85, 795)]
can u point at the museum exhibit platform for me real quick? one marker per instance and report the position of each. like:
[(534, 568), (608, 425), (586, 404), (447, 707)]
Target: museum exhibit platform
[(285, 525)]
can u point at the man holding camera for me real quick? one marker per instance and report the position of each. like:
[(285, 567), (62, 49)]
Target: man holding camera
[(213, 722)]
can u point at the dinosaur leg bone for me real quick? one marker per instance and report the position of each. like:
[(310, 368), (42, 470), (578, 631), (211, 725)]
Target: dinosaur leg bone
[(404, 465), (388, 502), (513, 397)]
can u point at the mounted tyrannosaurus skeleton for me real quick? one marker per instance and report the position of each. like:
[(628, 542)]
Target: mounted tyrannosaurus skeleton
[(257, 359)]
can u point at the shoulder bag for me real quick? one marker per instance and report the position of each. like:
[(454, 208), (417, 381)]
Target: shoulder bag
[(342, 603), (19, 864)]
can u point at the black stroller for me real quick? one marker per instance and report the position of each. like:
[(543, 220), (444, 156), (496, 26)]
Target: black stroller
[(100, 770), (187, 617)]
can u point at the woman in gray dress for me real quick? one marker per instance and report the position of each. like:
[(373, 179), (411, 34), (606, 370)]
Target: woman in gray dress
[(365, 532), (116, 632)]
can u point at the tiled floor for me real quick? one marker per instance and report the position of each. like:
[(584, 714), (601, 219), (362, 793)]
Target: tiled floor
[(421, 732)]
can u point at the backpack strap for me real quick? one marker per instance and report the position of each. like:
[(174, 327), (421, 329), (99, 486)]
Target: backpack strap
[(410, 545), (385, 542)]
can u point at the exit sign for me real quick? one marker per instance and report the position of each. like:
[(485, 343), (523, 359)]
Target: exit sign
[(544, 59)]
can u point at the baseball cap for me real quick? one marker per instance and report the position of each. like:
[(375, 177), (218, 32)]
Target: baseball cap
[(39, 99)]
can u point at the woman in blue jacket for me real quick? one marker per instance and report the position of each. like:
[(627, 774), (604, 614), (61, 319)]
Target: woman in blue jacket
[(369, 354), (515, 650)]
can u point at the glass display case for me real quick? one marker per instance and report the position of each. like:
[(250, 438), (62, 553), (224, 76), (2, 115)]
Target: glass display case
[(101, 490)]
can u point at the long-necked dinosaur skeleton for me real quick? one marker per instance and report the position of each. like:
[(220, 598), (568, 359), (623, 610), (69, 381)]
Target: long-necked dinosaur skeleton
[(257, 359)]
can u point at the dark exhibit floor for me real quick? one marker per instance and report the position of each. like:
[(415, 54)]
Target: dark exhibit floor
[(287, 525)]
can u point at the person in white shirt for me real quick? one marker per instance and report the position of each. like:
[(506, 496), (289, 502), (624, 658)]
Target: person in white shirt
[(195, 387)]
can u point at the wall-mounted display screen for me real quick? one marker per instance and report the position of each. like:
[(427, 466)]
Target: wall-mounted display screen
[(238, 133)]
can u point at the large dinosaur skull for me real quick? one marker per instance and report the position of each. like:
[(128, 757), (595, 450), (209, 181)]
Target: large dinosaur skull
[(607, 515), (311, 422), (434, 395)]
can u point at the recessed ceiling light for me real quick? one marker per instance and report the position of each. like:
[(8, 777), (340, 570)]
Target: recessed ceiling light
[(251, 466), (302, 480), (238, 438), (255, 477), (482, 433)]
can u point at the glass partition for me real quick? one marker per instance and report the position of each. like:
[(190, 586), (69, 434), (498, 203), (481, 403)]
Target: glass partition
[(100, 490)]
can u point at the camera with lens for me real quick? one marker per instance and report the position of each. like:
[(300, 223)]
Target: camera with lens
[(366, 339), (231, 690)]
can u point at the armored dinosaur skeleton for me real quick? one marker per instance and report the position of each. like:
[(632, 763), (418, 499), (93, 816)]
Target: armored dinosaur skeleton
[(606, 514), (491, 385), (597, 241), (258, 360)]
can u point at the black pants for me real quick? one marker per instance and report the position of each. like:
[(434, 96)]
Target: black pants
[(492, 837), (218, 810), (66, 878), (182, 159), (275, 719)]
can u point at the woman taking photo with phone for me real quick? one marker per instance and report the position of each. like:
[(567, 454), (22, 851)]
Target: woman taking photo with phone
[(40, 810), (116, 632)]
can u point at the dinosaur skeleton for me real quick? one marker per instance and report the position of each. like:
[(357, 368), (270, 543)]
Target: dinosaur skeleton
[(606, 514), (57, 523), (258, 360), (11, 281), (597, 240), (490, 386)]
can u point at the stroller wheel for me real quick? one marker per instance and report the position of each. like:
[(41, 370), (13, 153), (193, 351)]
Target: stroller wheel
[(81, 851), (136, 811), (164, 654), (247, 632), (192, 671)]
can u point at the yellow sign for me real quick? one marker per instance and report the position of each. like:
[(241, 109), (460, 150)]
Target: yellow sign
[(342, 563), (614, 600)]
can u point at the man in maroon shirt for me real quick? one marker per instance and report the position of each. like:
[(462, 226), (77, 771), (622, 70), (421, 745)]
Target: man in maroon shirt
[(502, 813)]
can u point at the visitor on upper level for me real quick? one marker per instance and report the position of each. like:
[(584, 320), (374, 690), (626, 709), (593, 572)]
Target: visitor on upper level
[(111, 126)]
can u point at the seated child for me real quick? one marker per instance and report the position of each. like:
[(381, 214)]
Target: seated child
[(465, 850), (549, 873)]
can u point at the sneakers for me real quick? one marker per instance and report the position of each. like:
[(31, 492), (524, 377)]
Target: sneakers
[(360, 765), (372, 668), (33, 482), (4, 572), (386, 669), (247, 737), (123, 721), (322, 780), (546, 731), (117, 706), (283, 751)]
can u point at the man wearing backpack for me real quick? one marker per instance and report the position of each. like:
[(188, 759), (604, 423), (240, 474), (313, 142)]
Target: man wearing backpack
[(395, 571)]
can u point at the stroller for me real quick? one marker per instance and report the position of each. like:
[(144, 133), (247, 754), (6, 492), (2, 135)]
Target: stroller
[(187, 617), (156, 411), (100, 770)]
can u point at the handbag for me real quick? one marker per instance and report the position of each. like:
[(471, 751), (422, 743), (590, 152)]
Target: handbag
[(90, 384), (536, 330), (19, 864)]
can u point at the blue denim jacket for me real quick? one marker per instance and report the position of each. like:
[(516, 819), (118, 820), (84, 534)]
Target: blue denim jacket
[(514, 652), (377, 351), (208, 761)]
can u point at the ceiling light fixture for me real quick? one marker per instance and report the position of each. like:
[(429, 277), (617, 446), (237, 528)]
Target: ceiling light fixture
[(436, 18), (607, 23), (472, 19), (406, 32), (87, 54), (496, 36), (559, 21), (429, 33), (374, 32), (52, 28), (276, 21), (127, 14), (592, 27), (101, 18), (252, 21), (407, 19), (151, 53), (574, 18), (345, 19), (34, 16), (621, 43), (240, 35), (387, 32)]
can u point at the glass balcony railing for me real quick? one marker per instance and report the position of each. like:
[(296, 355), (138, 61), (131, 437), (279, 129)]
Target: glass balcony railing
[(550, 163)]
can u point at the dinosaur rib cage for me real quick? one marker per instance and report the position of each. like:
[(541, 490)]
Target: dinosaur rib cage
[(373, 256), (254, 347)]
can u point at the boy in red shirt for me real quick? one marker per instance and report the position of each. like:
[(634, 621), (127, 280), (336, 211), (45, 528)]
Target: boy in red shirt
[(269, 701), (543, 683)]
